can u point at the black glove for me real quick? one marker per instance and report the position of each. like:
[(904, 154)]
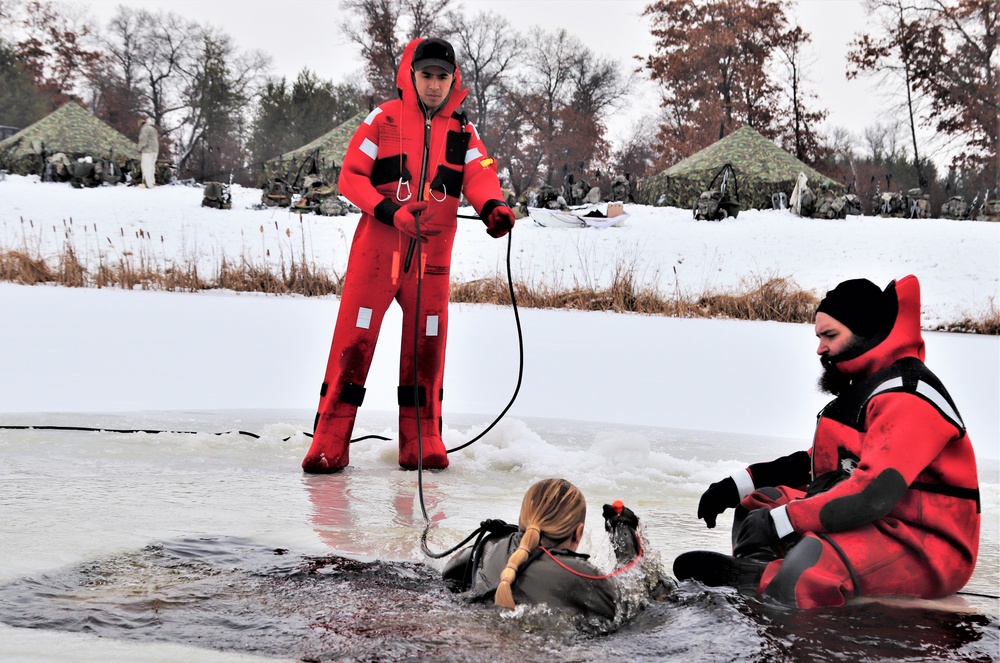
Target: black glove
[(758, 538), (720, 496), (620, 522), (618, 513)]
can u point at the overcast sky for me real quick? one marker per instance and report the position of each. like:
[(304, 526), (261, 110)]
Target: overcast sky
[(305, 33)]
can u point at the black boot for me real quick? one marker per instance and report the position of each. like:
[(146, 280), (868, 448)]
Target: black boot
[(718, 570)]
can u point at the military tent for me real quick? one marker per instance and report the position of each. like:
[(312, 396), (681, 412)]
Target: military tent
[(762, 168), (321, 157), (71, 130)]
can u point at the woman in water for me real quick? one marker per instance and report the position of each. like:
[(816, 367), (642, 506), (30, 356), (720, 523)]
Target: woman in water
[(537, 561)]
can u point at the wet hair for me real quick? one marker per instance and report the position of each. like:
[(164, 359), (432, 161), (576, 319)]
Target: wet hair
[(553, 508)]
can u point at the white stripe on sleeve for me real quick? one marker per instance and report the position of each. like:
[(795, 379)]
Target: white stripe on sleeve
[(744, 483), (369, 148)]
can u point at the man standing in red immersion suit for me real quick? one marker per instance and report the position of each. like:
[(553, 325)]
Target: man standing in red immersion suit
[(406, 168), (886, 503)]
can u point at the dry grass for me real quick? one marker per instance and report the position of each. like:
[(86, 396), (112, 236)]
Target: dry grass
[(775, 298), (134, 263), (988, 324), (772, 298), (18, 267)]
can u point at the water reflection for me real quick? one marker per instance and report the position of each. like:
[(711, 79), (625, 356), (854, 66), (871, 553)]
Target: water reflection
[(352, 516), (234, 594)]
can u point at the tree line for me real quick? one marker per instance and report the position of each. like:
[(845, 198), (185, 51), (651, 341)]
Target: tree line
[(541, 99)]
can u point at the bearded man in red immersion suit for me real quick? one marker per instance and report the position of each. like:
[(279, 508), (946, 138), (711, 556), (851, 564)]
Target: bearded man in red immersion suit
[(406, 168), (886, 503)]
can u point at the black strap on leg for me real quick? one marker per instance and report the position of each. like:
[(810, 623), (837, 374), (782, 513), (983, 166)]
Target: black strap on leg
[(405, 397), (352, 394)]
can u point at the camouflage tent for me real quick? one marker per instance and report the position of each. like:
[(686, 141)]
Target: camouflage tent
[(321, 157), (71, 130), (762, 168)]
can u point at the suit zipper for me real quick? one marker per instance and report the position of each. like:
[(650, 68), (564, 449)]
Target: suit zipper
[(420, 187)]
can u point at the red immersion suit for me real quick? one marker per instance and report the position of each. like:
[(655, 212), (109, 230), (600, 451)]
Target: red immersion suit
[(887, 500), (400, 155)]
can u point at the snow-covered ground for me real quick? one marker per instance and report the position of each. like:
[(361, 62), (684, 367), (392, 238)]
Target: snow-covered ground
[(645, 409), (958, 262), (101, 351)]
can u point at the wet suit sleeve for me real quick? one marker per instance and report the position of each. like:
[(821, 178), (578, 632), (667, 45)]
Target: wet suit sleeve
[(480, 183), (356, 171), (794, 471), (456, 571), (904, 434)]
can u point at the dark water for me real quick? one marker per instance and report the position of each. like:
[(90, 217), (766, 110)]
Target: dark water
[(233, 594)]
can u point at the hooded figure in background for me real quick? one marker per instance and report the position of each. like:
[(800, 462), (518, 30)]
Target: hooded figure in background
[(886, 503), (149, 149), (406, 168)]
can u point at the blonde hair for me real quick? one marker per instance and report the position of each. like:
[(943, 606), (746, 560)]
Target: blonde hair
[(553, 508)]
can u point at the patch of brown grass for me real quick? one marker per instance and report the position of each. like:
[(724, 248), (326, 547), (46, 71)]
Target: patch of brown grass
[(772, 298), (777, 299), (988, 324), (18, 267)]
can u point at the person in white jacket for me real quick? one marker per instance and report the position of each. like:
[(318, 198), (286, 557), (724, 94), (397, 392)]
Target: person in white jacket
[(149, 148)]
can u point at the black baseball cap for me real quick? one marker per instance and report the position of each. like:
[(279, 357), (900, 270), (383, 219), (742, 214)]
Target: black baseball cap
[(434, 53)]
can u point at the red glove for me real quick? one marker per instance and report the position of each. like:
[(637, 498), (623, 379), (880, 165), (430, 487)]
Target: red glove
[(501, 220), (405, 219)]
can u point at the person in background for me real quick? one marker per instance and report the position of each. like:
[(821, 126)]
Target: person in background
[(406, 168), (537, 561), (886, 503), (149, 148)]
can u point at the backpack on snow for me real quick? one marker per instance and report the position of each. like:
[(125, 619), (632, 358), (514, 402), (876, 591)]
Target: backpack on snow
[(277, 193), (217, 196), (718, 203)]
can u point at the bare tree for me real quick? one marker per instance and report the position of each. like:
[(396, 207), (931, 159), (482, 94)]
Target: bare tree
[(488, 51), (152, 53), (882, 141), (565, 93), (219, 85), (800, 137), (891, 54), (380, 29), (957, 67)]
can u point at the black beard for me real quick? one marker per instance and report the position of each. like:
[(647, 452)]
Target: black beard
[(832, 381)]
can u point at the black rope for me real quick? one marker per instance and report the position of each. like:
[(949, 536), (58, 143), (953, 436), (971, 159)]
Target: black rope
[(520, 373), (416, 385), (434, 555), (520, 363), (126, 430), (982, 596)]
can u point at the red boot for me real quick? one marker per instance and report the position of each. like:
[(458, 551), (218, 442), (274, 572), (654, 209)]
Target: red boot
[(331, 445), (434, 454)]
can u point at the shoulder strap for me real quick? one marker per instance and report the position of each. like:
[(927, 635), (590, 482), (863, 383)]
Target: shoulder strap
[(910, 375)]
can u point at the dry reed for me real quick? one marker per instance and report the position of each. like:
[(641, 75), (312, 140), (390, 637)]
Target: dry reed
[(771, 298)]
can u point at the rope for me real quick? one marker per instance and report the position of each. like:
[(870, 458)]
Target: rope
[(520, 348), (126, 430), (622, 569), (982, 596), (520, 373)]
